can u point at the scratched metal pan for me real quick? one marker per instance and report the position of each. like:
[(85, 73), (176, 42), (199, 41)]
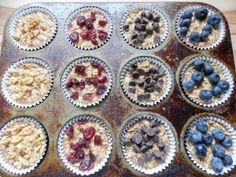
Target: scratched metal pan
[(55, 111)]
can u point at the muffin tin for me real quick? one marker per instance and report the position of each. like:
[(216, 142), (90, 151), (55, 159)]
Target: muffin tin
[(55, 111)]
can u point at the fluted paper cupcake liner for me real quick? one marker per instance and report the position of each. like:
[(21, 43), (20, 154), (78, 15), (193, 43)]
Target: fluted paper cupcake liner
[(156, 12), (27, 11), (225, 71), (158, 62), (4, 165), (211, 11), (172, 137), (60, 146), (5, 90), (80, 61), (230, 129), (86, 9)]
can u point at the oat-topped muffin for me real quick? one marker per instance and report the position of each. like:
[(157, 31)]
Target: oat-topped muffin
[(144, 28), (209, 143), (34, 29), (89, 28), (200, 27)]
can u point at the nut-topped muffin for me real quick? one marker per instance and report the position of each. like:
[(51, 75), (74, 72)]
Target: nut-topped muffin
[(144, 28)]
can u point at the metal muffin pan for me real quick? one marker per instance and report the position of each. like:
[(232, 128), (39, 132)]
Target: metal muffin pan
[(55, 111)]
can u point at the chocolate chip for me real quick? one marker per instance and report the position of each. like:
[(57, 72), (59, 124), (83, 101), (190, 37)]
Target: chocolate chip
[(134, 66), (149, 89), (149, 15), (144, 128), (156, 76), (156, 19), (159, 155), (153, 123), (144, 21), (140, 27), (155, 27), (153, 69), (140, 82), (135, 148), (137, 20), (149, 156), (145, 138), (148, 80), (127, 142), (132, 83), (126, 28), (143, 14), (134, 42), (141, 161), (155, 138), (159, 85), (143, 97), (141, 71), (135, 75), (149, 30), (152, 83), (134, 36), (132, 90), (157, 39), (141, 37), (149, 143), (144, 148), (161, 145), (137, 138), (151, 132)]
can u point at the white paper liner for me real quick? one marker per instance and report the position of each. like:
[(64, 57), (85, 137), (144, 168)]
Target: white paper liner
[(230, 129), (60, 146), (5, 91), (156, 11), (226, 72), (24, 12), (4, 165), (211, 11), (158, 62), (172, 146), (80, 61), (86, 9)]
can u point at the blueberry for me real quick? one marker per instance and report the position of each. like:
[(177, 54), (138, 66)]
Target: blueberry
[(201, 150), (227, 142), (202, 126), (183, 31), (208, 69), (185, 23), (198, 64), (189, 84), (194, 37), (197, 77), (195, 136), (207, 139), (224, 85), (214, 78), (227, 160), (218, 151), (214, 20), (207, 28), (217, 164), (205, 95), (201, 13), (216, 91), (204, 35), (187, 15), (218, 134)]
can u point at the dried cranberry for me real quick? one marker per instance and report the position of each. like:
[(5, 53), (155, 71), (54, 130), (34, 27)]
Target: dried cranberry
[(92, 35), (74, 95), (88, 96), (102, 80), (69, 83), (74, 37), (82, 84), (101, 89), (70, 131), (95, 64), (89, 133), (102, 35), (100, 69), (73, 157), (93, 15), (80, 153), (85, 164), (102, 22), (83, 34), (74, 146), (94, 81), (83, 143), (80, 69), (97, 140), (89, 23), (94, 41), (81, 21), (92, 156), (81, 122)]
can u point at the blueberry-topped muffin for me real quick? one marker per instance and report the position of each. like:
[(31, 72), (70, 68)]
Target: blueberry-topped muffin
[(200, 27), (144, 28)]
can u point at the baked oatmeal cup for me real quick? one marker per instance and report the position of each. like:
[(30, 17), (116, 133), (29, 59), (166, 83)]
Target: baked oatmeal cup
[(85, 144)]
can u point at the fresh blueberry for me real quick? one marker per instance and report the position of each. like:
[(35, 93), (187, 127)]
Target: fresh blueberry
[(227, 160), (189, 84), (208, 68), (201, 13), (217, 164), (194, 37), (187, 15), (214, 20), (207, 139), (208, 28), (197, 77), (218, 151), (202, 126), (205, 95), (198, 64), (214, 78), (218, 134), (185, 23), (204, 35), (183, 31), (227, 142), (216, 91), (201, 150), (195, 136), (224, 85)]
